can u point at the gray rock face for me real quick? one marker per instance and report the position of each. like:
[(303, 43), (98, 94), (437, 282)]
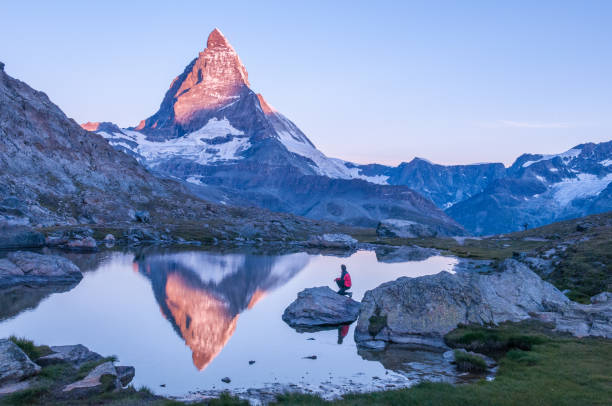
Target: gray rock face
[(422, 310), (93, 382), (23, 267), (583, 320), (12, 237), (72, 354), (125, 374), (14, 363), (320, 306), (403, 229)]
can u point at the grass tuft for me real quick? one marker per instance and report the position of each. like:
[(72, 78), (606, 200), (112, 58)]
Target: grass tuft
[(469, 362)]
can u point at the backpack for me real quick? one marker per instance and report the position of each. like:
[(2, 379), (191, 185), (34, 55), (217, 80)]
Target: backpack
[(347, 280)]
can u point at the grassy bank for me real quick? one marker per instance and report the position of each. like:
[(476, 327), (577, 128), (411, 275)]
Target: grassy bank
[(551, 369)]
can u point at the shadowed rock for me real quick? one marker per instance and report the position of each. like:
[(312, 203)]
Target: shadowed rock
[(14, 363), (320, 306), (20, 237), (72, 354), (23, 267)]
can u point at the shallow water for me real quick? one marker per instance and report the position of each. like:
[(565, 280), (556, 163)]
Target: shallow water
[(187, 319)]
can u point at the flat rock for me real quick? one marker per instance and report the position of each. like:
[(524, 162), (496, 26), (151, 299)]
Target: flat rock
[(24, 267), (320, 306), (92, 383), (15, 365), (73, 354), (422, 310), (82, 244), (13, 237)]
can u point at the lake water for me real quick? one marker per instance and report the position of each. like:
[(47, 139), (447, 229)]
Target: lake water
[(187, 319)]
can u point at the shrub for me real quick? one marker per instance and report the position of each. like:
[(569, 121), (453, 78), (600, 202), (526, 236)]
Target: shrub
[(469, 362)]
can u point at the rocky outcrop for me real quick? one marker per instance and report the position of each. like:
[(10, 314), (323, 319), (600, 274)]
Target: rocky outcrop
[(14, 363), (320, 306), (404, 229), (102, 378), (12, 237), (73, 354), (422, 310), (582, 320), (30, 268), (333, 241)]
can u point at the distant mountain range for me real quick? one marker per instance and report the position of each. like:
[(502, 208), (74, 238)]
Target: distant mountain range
[(231, 147)]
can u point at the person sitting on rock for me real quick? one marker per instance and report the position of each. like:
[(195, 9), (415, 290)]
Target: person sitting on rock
[(344, 282)]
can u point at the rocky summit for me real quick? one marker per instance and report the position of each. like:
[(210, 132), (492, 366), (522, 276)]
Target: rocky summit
[(230, 146)]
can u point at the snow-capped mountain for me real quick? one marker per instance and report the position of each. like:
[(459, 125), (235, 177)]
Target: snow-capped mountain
[(541, 189), (535, 190), (215, 133)]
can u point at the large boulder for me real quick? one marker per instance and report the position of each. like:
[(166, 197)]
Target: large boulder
[(333, 241), (318, 307), (12, 237), (73, 354), (24, 267), (404, 229), (422, 310), (14, 363)]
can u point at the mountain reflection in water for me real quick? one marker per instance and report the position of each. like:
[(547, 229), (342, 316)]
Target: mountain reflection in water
[(202, 294)]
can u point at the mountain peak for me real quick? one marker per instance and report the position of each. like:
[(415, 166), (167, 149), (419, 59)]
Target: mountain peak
[(216, 78), (217, 39)]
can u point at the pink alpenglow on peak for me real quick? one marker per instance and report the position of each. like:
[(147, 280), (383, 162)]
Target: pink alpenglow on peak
[(216, 79), (267, 109), (91, 126)]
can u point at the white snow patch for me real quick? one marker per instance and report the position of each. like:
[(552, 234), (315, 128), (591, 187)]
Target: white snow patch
[(192, 146), (566, 156), (540, 178), (606, 162), (585, 185)]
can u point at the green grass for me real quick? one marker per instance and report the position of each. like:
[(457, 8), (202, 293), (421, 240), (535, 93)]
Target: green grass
[(469, 363), (559, 370), (32, 351)]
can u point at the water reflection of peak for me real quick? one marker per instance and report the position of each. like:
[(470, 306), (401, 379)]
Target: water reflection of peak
[(202, 294)]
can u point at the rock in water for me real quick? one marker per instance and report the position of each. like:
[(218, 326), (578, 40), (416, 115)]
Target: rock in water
[(422, 310), (125, 374), (14, 363), (20, 237), (23, 267), (320, 306), (333, 241), (403, 229)]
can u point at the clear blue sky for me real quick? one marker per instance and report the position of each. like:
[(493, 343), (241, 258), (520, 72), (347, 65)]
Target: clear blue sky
[(453, 81)]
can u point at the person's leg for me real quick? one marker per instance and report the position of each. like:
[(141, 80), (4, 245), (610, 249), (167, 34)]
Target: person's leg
[(342, 291)]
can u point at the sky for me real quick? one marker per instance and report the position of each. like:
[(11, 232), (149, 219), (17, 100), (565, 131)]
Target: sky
[(454, 82)]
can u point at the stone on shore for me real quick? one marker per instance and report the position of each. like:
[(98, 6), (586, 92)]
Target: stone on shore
[(15, 365), (333, 241), (73, 354), (13, 237), (102, 378), (403, 229), (319, 307), (24, 267), (422, 310)]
